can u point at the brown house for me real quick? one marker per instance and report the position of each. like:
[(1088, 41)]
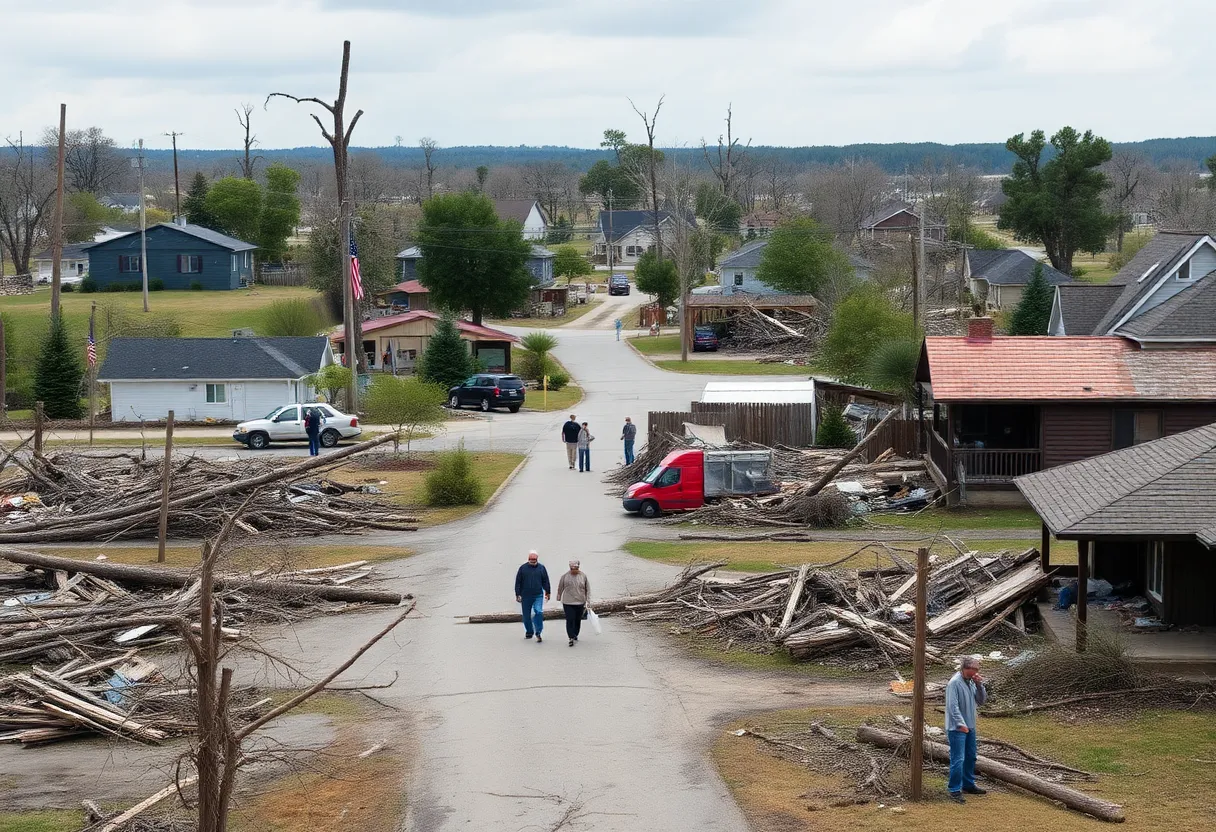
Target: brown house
[(899, 221), (406, 296), (393, 343), (1144, 515), (994, 408)]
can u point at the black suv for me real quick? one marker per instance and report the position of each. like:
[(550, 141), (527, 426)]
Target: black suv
[(618, 284), (488, 392)]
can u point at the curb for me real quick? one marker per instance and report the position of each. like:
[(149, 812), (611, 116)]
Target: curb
[(501, 486)]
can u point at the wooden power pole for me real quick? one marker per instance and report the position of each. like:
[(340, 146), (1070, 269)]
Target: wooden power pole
[(177, 185), (143, 226), (166, 476), (57, 223), (92, 371), (917, 750)]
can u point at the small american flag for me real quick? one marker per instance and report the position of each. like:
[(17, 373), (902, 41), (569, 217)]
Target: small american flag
[(90, 349), (356, 281)]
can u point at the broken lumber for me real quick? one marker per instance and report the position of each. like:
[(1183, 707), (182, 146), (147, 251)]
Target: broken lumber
[(1019, 583), (849, 457), (1073, 799)]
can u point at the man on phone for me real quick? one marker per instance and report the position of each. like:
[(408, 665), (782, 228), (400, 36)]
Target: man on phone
[(964, 692)]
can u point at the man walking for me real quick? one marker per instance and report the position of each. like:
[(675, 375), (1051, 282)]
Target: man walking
[(964, 692), (531, 591), (570, 437), (628, 433), (574, 594), (584, 448), (312, 426)]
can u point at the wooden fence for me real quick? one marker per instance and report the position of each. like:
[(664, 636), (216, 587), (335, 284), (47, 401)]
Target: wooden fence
[(291, 274), (898, 434), (764, 424)]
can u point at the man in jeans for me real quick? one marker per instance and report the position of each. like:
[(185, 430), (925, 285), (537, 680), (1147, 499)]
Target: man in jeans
[(628, 433), (570, 437), (964, 692), (531, 586)]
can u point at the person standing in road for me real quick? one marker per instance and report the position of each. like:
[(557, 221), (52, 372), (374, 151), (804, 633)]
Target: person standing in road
[(584, 448), (531, 591), (574, 594), (964, 692), (312, 426), (628, 434), (570, 438), (618, 323)]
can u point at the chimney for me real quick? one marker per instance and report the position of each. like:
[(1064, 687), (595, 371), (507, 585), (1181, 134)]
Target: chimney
[(979, 329), (181, 220)]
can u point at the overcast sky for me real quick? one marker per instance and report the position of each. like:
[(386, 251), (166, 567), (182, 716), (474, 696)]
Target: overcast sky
[(508, 72)]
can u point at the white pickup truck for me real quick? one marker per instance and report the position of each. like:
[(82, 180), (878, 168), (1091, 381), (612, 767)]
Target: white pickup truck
[(286, 424)]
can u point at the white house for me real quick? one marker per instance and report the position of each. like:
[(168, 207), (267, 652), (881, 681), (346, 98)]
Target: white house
[(737, 270), (528, 213), (227, 379), (74, 262)]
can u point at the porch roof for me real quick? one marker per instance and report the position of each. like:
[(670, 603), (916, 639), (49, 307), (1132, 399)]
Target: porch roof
[(1160, 489), (1081, 368)]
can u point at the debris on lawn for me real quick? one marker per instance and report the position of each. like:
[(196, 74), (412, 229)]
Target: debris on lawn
[(89, 497), (776, 335)]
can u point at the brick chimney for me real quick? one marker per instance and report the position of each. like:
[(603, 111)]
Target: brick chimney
[(979, 329)]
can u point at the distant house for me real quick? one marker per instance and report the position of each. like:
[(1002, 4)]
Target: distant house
[(899, 221), (1164, 296), (127, 203), (528, 213), (737, 271), (406, 296), (228, 379), (74, 262), (540, 264), (630, 233), (758, 224), (403, 337), (997, 278), (179, 254)]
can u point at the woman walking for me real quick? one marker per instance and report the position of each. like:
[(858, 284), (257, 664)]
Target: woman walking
[(584, 448), (574, 594)]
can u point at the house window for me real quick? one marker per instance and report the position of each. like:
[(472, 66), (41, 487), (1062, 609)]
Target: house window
[(1133, 427), (1155, 581), (128, 263), (190, 263), (217, 393), (738, 278), (1184, 271), (235, 263)]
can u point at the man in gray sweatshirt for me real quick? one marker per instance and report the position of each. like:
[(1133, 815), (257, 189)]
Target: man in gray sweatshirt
[(629, 433), (964, 692)]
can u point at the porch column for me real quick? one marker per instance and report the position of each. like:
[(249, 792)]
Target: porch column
[(1045, 548), (1082, 592)]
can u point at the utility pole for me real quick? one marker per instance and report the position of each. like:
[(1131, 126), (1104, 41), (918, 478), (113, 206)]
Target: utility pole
[(917, 752), (608, 197), (92, 373), (348, 314), (177, 187), (3, 368), (57, 228), (143, 225)]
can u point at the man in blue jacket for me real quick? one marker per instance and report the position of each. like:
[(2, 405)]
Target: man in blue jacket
[(964, 692), (531, 591)]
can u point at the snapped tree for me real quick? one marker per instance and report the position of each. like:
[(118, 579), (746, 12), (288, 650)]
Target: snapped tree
[(657, 277), (801, 258), (1058, 203), (447, 360), (1033, 312), (405, 404), (58, 374), (471, 259)]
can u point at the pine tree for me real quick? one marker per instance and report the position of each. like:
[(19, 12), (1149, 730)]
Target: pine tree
[(194, 206), (58, 374), (834, 431), (447, 360), (1033, 312)]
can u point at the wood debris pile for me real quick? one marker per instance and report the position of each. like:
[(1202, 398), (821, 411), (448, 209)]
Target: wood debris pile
[(815, 611), (776, 335), (80, 497), (90, 620)]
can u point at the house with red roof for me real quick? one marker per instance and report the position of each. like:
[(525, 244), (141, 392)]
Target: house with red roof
[(393, 343), (406, 296), (994, 407)]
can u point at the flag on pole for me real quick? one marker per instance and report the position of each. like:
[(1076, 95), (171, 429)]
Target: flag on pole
[(356, 282), (91, 346)]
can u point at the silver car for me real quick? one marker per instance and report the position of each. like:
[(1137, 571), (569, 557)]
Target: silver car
[(286, 424)]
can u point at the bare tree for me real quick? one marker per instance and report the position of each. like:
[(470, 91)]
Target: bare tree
[(551, 184), (778, 181), (339, 140), (1125, 171), (429, 146), (650, 121), (370, 180), (91, 161), (26, 191), (727, 158), (1179, 199), (843, 195), (249, 160)]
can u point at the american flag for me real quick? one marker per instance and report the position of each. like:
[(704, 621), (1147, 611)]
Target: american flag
[(90, 349), (356, 282)]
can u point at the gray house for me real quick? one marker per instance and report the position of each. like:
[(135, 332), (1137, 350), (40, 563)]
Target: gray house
[(998, 277), (737, 270), (540, 264)]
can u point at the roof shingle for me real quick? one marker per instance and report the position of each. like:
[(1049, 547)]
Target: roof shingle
[(219, 359), (1010, 267)]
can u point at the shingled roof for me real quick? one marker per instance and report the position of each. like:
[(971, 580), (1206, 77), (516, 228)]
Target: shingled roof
[(1010, 267), (1189, 314), (212, 359), (748, 256), (1160, 489), (1082, 305), (1160, 256)]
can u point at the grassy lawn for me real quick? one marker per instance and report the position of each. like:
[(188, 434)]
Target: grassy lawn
[(945, 519), (656, 344), (573, 313), (42, 820), (1146, 763), (763, 556), (407, 488), (726, 367), (567, 397), (285, 553)]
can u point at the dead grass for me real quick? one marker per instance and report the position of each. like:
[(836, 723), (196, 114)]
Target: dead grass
[(1147, 763), (285, 554)]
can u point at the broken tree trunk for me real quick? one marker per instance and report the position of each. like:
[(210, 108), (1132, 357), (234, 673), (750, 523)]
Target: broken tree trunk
[(1014, 585), (1073, 799), (159, 576), (849, 457)]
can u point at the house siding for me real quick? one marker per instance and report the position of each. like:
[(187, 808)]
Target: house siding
[(164, 245), (752, 285), (409, 269), (1202, 262), (1180, 418), (1075, 432), (1189, 575), (131, 401)]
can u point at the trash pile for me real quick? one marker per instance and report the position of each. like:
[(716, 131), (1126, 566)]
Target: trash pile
[(83, 497), (90, 620), (776, 335)]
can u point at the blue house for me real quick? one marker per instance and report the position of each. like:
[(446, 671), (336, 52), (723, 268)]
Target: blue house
[(178, 254), (540, 263)]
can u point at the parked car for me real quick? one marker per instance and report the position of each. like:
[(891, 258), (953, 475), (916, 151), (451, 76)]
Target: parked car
[(286, 424), (704, 339), (488, 392), (685, 480), (618, 284)]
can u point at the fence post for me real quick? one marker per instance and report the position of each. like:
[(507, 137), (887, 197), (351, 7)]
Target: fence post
[(164, 490), (38, 427)]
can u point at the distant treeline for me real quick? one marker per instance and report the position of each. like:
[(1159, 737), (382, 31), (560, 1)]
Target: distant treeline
[(895, 158)]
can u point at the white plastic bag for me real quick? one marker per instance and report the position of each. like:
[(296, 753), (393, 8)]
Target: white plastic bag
[(594, 621)]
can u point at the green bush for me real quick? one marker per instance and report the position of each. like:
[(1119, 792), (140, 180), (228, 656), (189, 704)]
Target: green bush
[(558, 379), (452, 482), (68, 287), (88, 285), (156, 285), (293, 316), (834, 430), (196, 286), (134, 287), (113, 287)]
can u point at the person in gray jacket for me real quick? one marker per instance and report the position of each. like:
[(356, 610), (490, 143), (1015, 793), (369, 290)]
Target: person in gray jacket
[(628, 434), (584, 448), (574, 594), (964, 692)]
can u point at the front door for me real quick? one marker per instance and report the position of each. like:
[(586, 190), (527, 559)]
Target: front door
[(236, 400)]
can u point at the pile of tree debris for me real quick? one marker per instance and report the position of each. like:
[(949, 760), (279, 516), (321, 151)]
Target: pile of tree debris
[(87, 497), (775, 335), (91, 619)]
